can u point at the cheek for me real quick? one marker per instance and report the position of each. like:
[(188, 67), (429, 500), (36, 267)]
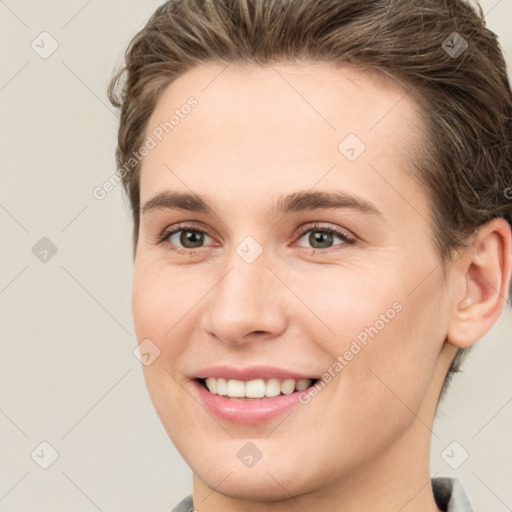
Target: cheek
[(354, 304), (159, 314), (386, 339), (162, 304), (149, 303)]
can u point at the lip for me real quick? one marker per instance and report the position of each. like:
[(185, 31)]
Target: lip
[(250, 373), (246, 412)]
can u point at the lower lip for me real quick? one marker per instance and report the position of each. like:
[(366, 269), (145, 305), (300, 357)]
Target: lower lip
[(247, 412)]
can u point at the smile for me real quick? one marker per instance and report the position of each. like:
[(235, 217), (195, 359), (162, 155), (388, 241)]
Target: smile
[(257, 388), (250, 396)]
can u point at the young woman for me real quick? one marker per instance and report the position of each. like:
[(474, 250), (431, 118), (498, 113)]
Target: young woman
[(322, 229)]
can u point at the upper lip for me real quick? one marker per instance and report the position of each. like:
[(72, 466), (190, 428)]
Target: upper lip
[(250, 373)]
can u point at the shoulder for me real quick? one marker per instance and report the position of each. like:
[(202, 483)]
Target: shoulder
[(450, 495), (185, 505)]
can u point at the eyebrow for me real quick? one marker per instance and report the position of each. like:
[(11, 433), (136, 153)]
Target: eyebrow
[(296, 202)]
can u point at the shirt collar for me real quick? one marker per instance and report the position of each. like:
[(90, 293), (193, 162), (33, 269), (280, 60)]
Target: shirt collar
[(450, 495)]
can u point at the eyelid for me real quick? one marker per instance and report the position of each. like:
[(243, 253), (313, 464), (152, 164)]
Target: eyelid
[(343, 233), (182, 226)]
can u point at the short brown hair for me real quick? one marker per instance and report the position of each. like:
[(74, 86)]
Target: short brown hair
[(464, 91)]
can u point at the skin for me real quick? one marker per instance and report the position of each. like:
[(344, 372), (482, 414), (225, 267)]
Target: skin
[(259, 133)]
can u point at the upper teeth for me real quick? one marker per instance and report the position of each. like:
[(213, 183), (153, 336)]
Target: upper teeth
[(255, 388)]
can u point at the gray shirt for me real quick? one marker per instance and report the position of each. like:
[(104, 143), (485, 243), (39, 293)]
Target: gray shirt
[(448, 493)]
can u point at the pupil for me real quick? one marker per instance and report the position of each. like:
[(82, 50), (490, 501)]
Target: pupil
[(317, 237), (191, 237)]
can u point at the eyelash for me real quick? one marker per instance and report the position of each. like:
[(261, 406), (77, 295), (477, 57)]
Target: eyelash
[(347, 240)]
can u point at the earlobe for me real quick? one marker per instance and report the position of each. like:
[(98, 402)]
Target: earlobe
[(484, 273)]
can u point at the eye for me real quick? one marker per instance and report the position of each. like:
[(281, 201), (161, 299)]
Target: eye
[(189, 239), (322, 237), (184, 238)]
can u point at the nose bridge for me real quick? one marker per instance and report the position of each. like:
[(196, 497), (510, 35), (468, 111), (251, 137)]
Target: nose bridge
[(246, 298)]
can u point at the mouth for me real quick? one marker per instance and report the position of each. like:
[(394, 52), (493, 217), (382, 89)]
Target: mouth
[(251, 395), (255, 389)]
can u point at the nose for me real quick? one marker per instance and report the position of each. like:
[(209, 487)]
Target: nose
[(246, 304)]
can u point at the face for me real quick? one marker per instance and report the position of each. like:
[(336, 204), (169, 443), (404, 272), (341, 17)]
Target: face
[(305, 253)]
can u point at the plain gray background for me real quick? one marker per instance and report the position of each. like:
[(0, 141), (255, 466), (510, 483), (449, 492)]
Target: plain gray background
[(68, 376)]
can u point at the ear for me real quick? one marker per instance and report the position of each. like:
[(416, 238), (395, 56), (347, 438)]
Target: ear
[(482, 277)]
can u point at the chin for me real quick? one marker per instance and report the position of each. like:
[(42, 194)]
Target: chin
[(255, 484), (274, 477)]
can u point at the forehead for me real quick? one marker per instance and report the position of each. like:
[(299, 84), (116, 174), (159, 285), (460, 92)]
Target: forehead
[(255, 129)]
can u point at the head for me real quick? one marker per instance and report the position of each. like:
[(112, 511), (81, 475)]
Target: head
[(377, 100)]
